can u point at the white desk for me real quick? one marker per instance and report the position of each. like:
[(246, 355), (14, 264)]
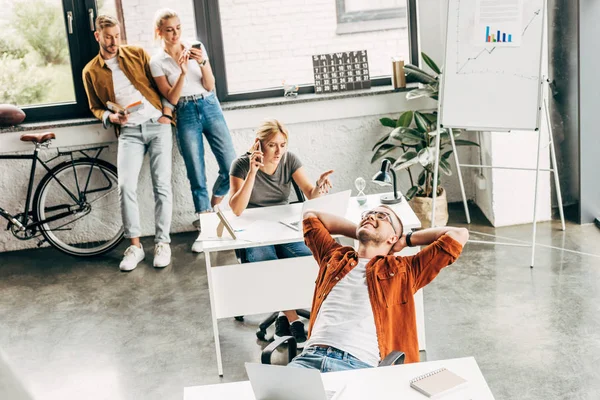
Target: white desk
[(262, 287), (372, 383)]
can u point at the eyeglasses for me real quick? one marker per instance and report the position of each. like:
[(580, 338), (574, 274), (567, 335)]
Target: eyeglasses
[(379, 215)]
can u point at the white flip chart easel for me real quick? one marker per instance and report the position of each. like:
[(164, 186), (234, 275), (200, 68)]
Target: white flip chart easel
[(478, 86)]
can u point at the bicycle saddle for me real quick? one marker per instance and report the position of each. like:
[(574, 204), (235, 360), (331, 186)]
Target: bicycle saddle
[(37, 137)]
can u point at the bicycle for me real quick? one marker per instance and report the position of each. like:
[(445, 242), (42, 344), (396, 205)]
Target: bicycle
[(74, 200)]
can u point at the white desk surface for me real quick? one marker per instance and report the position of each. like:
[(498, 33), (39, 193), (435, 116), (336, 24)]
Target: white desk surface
[(374, 383), (261, 227)]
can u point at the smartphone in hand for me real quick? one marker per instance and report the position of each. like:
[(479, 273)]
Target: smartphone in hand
[(197, 45), (259, 148)]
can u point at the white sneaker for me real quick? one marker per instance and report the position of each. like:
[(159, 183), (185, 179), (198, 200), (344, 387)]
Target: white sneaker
[(198, 245), (196, 222), (133, 255), (162, 255)]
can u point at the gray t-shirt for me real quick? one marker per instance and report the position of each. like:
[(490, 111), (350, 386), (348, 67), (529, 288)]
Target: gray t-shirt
[(268, 190)]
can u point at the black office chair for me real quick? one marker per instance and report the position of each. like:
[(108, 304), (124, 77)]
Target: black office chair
[(394, 358), (261, 332)]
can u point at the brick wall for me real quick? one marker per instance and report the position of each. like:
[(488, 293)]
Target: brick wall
[(268, 41)]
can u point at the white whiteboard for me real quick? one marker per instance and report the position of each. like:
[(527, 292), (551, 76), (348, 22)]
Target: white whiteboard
[(487, 87)]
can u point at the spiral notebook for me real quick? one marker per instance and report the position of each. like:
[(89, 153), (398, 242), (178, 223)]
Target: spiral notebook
[(438, 383)]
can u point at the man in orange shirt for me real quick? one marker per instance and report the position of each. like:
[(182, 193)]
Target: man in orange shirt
[(363, 306)]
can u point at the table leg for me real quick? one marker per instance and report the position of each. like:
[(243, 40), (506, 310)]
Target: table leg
[(213, 314)]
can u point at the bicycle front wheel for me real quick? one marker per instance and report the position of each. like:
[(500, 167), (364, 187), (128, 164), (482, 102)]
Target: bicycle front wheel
[(78, 204)]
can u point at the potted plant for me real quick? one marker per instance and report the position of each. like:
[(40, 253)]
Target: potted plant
[(411, 143)]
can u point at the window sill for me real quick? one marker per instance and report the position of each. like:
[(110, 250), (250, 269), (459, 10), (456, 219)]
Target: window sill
[(309, 98), (49, 125), (229, 107)]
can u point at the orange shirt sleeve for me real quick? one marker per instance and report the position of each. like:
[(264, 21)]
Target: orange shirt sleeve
[(318, 239), (427, 263)]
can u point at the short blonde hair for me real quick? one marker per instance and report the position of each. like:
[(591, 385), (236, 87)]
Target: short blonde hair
[(105, 21), (270, 128), (160, 16)]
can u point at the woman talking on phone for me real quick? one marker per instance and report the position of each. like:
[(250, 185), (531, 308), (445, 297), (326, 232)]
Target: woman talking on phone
[(184, 77), (263, 177)]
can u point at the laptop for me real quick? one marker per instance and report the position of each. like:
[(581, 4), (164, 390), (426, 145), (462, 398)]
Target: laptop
[(336, 204), (276, 382)]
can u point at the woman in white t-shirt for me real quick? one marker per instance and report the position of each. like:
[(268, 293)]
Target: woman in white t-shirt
[(184, 77)]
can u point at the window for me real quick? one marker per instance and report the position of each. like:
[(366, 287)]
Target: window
[(44, 45), (255, 46), (370, 15)]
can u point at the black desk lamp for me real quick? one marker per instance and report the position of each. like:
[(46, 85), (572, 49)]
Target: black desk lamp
[(384, 178)]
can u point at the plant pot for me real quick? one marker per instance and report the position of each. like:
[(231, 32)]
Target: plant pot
[(422, 208)]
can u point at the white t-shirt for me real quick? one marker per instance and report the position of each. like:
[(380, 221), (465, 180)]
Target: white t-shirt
[(126, 93), (350, 329), (162, 64)]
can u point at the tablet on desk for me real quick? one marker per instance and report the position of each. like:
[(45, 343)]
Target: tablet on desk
[(336, 204), (224, 223)]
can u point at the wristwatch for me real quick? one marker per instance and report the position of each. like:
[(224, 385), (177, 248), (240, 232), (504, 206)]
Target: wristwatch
[(408, 235), (203, 63)]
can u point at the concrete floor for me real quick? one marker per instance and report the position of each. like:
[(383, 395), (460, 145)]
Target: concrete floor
[(80, 329)]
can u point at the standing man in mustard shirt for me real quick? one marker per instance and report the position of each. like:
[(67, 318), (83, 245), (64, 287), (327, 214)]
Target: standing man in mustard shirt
[(121, 74)]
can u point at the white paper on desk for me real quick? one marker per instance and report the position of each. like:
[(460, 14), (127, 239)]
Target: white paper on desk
[(212, 237)]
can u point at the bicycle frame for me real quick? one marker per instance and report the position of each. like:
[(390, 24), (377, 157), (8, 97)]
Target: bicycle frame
[(35, 159)]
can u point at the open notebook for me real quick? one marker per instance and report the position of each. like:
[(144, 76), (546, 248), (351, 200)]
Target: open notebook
[(438, 383)]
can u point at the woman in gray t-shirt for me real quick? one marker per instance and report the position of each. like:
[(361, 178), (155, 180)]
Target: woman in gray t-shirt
[(262, 178)]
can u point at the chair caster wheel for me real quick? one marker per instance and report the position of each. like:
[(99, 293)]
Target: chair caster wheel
[(239, 318), (261, 334)]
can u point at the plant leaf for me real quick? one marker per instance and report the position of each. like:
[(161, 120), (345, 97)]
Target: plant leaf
[(421, 122), (390, 123), (445, 167), (421, 180), (431, 117), (422, 92), (380, 141), (427, 156), (410, 137), (446, 155), (430, 63), (463, 142), (434, 133), (382, 151), (405, 119), (411, 192), (406, 160), (415, 74)]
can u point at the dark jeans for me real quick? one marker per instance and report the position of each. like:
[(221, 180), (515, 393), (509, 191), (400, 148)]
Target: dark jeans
[(274, 252), (327, 359)]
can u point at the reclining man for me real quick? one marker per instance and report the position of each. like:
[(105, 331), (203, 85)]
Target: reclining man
[(363, 306)]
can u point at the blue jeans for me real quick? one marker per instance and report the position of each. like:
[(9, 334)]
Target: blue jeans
[(134, 142), (195, 117), (327, 360), (275, 252)]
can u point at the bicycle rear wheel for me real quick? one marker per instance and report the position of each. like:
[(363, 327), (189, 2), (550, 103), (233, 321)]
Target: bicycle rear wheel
[(83, 196)]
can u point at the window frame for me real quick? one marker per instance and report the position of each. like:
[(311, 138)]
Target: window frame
[(209, 30), (82, 48), (344, 17)]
